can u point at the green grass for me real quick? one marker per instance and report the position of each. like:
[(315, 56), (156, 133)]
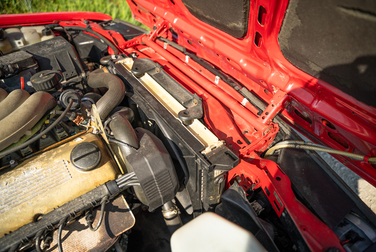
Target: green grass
[(115, 8)]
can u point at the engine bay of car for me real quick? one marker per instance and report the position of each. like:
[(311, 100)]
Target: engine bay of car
[(107, 129)]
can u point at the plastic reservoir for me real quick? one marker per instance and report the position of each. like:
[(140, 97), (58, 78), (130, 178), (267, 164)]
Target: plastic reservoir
[(13, 39), (211, 232)]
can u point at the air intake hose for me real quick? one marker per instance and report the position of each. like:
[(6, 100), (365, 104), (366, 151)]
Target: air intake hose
[(12, 102), (114, 95), (124, 132), (3, 94), (22, 119)]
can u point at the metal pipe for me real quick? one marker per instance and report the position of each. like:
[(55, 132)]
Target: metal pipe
[(316, 147), (171, 216), (218, 93)]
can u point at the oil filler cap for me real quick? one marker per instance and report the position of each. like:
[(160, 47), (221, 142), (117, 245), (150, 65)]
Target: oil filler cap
[(86, 156), (46, 80)]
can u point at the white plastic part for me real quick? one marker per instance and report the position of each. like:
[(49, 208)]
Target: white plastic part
[(47, 37), (38, 28), (244, 102), (15, 38), (31, 36), (211, 232)]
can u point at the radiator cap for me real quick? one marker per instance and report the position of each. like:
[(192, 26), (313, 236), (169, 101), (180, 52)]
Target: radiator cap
[(85, 156)]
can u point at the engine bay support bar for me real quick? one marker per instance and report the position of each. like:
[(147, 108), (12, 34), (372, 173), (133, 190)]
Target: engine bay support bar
[(204, 69), (210, 87)]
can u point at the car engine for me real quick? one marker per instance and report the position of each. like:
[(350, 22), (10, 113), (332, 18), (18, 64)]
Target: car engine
[(70, 128), (96, 142)]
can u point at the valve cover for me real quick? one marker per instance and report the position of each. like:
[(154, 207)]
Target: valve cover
[(48, 180)]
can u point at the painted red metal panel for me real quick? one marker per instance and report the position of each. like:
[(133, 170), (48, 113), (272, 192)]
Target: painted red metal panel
[(50, 17), (264, 70)]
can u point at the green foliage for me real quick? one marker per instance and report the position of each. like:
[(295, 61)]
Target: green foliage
[(115, 8)]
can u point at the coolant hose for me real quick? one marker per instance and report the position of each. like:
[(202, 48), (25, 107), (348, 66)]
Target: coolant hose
[(17, 123), (114, 95), (12, 102)]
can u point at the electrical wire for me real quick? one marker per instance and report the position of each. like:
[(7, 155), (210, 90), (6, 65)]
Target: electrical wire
[(127, 180), (59, 232), (46, 243), (112, 140), (14, 248), (316, 147), (126, 177), (129, 184), (37, 241), (89, 217), (37, 137)]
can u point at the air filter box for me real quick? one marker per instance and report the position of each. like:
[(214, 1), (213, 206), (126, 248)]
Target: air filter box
[(154, 169), (57, 54)]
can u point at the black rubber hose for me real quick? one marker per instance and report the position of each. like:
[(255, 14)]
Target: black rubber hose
[(35, 138), (121, 143), (101, 215), (59, 233), (114, 95), (37, 242), (14, 248)]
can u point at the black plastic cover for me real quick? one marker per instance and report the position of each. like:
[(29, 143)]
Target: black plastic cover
[(89, 47), (311, 183), (236, 208), (127, 30), (16, 62), (154, 169), (201, 188), (57, 54), (86, 156)]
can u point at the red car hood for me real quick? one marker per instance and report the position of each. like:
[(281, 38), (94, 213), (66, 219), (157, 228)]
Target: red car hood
[(324, 113)]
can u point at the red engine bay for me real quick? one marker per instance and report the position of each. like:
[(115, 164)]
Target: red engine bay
[(250, 94)]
